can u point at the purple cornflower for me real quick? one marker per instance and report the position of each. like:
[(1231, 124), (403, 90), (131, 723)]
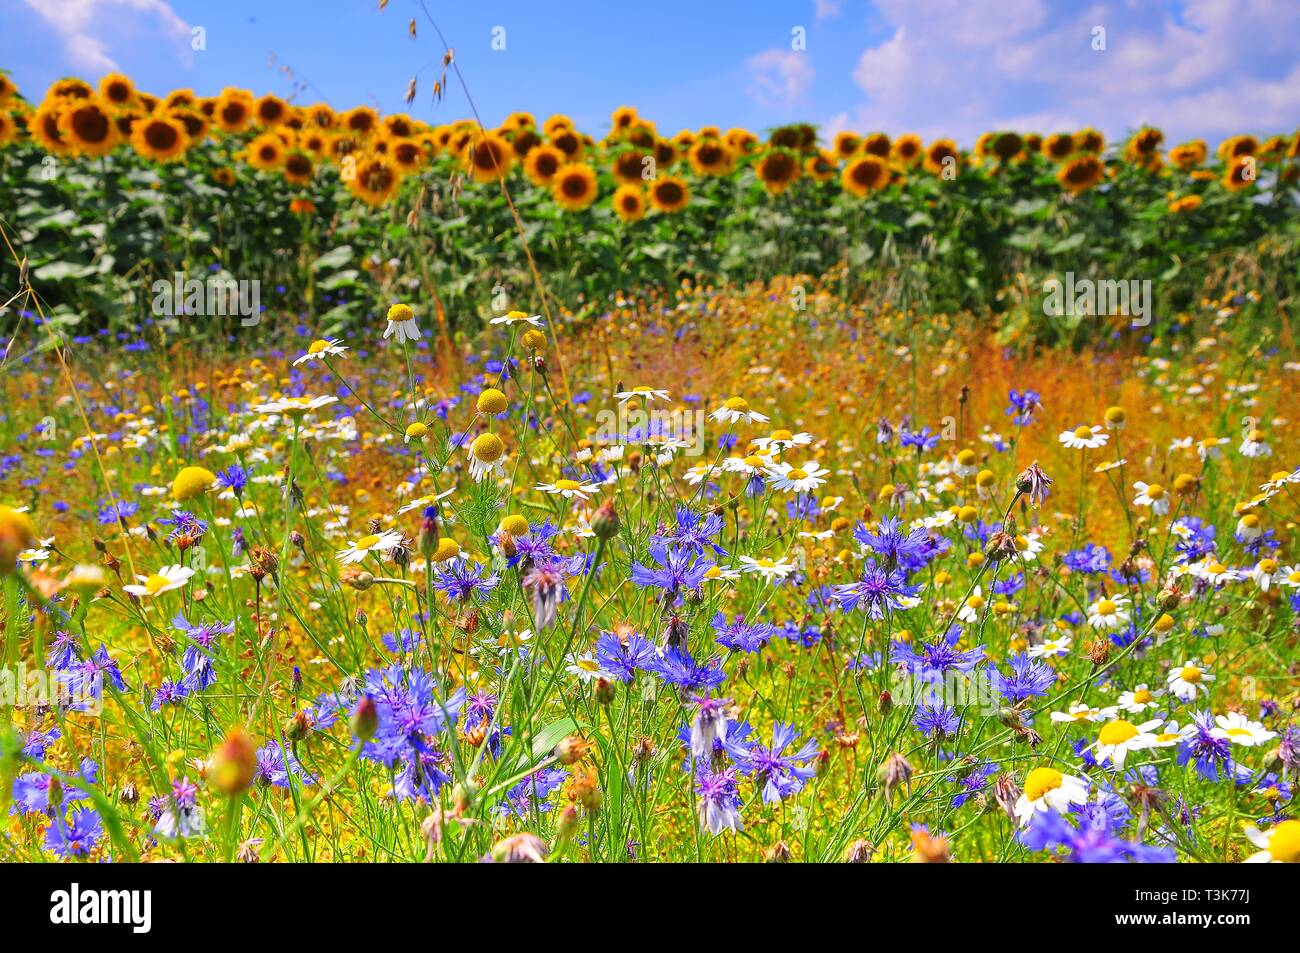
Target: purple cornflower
[(719, 804), (85, 682), (891, 543), (197, 662), (275, 765), (459, 579), (933, 661), (1088, 844), (1023, 405), (76, 835), (676, 667), (879, 590), (709, 726), (233, 478), (693, 533), (533, 791), (1029, 678), (741, 636), (936, 720), (677, 570), (184, 523), (479, 708), (1212, 755), (923, 439)]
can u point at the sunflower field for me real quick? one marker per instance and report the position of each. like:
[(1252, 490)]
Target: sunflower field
[(381, 490)]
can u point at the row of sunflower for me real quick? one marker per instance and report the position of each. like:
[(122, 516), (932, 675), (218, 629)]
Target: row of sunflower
[(373, 154)]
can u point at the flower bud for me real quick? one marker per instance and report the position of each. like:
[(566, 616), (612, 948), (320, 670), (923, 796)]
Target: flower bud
[(234, 763), (365, 719), (605, 522)]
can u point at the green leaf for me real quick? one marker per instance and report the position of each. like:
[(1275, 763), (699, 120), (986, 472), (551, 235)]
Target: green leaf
[(335, 258)]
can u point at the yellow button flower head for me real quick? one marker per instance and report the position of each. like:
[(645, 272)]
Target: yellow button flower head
[(191, 482), (492, 402), (16, 535), (515, 525), (416, 431), (448, 548), (534, 340)]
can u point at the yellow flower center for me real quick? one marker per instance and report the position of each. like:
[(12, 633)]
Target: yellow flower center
[(1238, 732), (1190, 673), (1268, 566), (975, 602), (753, 461), (797, 474), (487, 448), (1281, 476), (515, 525), (783, 436), (416, 431), (566, 484), (736, 403), (1155, 491), (1040, 781), (1215, 568), (1284, 844), (1141, 696), (317, 347), (1083, 433), (156, 583), (1117, 732), (365, 542), (1105, 607)]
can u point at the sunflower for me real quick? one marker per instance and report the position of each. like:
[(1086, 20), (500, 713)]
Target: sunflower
[(8, 128), (1188, 155), (876, 144), (568, 142), (1059, 146), (43, 125), (642, 134), (1238, 146), (1081, 174), (234, 110), (821, 167), (1088, 139), (116, 89), (360, 121), (684, 140), (224, 176), (629, 166), (799, 137), (941, 156), (298, 167), (125, 122), (520, 121), (542, 164), (70, 88), (160, 137), (375, 180), (321, 116), (314, 141), (665, 153), (87, 128), (265, 152), (489, 157), (984, 145), (196, 124), (398, 125), (7, 87), (865, 174), (629, 203), (523, 141), (406, 154), (668, 193), (622, 118), (1240, 174), (1143, 148), (341, 146), (181, 99), (555, 124), (711, 157), (846, 143), (270, 111), (1007, 145), (574, 186), (908, 149), (742, 142), (1033, 142), (777, 170)]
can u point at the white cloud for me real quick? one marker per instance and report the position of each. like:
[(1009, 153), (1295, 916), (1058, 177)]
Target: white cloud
[(1198, 68), (779, 77), (84, 26), (827, 9)]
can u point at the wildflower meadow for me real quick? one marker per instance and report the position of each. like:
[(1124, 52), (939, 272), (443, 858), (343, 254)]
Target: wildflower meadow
[(441, 486)]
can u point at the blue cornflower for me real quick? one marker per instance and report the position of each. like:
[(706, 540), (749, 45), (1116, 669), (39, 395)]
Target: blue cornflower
[(923, 439), (113, 512), (972, 783), (184, 523), (1023, 405), (879, 591), (781, 775), (741, 636), (936, 720), (1090, 559), (198, 660), (275, 765), (1088, 845), (1029, 678), (719, 803), (459, 579), (676, 667), (1212, 755), (533, 791), (677, 569), (233, 478), (85, 682), (168, 693), (693, 533), (931, 662), (621, 658), (891, 543), (75, 835)]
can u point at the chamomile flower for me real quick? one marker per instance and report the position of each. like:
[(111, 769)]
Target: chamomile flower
[(1080, 712), (780, 440), (1240, 730), (1119, 737), (318, 350), (1289, 576), (164, 580), (769, 569), (1153, 495), (972, 607), (1253, 445), (1109, 615), (519, 317), (736, 409), (401, 323), (487, 457), (1051, 648), (1139, 698), (1280, 480), (1214, 572), (1278, 845), (585, 666), (1188, 681), (1084, 438), (424, 502), (1265, 573), (374, 543), (295, 406), (1170, 735), (797, 479), (648, 394), (569, 489), (1047, 789)]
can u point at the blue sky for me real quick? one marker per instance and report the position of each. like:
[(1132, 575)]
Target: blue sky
[(938, 67)]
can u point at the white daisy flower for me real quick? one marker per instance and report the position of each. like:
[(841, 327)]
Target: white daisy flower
[(1189, 680), (1253, 445), (374, 543), (1240, 730), (801, 479), (1117, 738), (971, 608), (779, 440), (1084, 438), (1280, 480), (401, 323), (294, 406), (1108, 615), (1139, 699), (1265, 573), (1047, 789), (584, 666), (1081, 712), (1289, 576), (518, 317), (569, 489), (736, 409), (1051, 648), (424, 502), (1277, 845), (649, 394), (769, 569), (318, 350), (1153, 495), (164, 580)]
